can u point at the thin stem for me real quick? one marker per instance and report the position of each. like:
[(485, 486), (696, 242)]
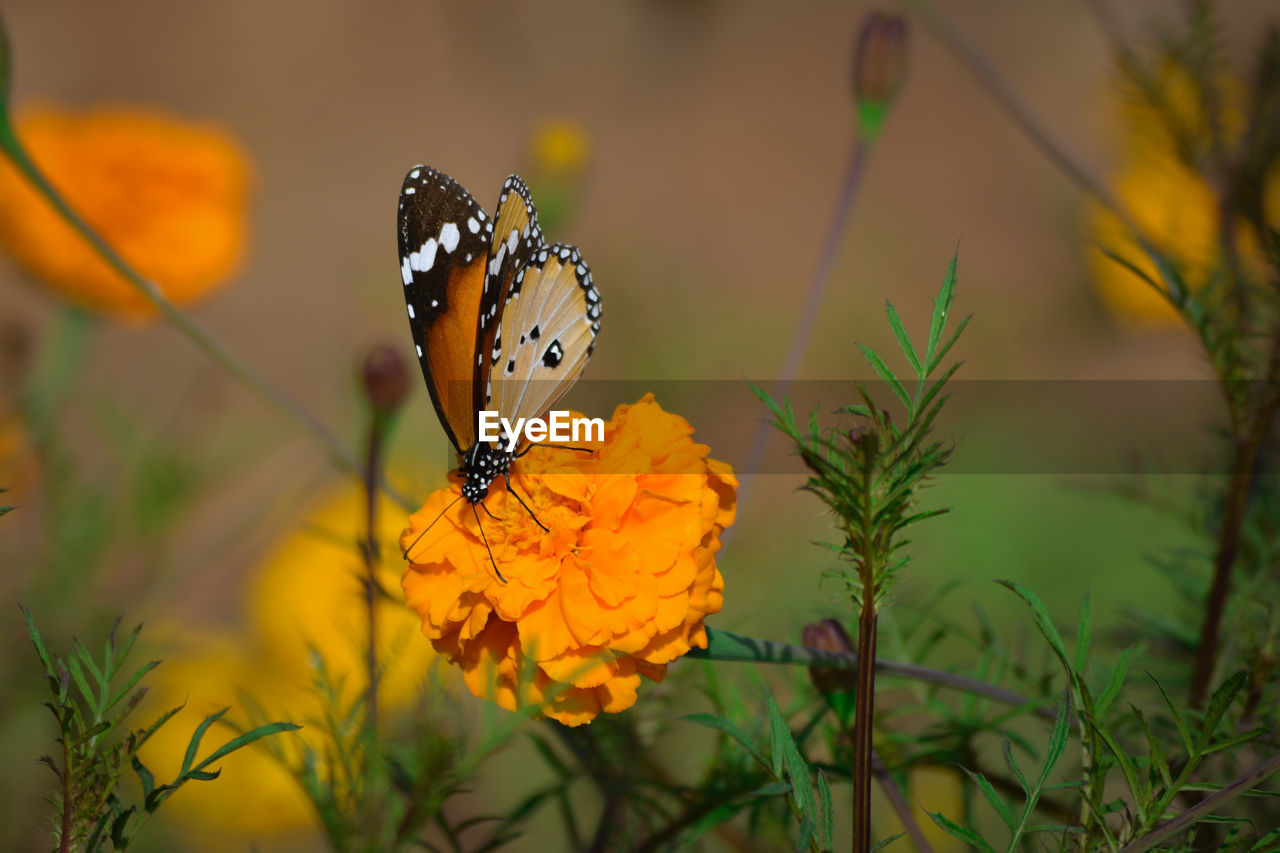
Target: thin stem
[(854, 170), (954, 38), (1243, 471), (64, 844), (372, 467), (194, 332), (767, 651), (1207, 806)]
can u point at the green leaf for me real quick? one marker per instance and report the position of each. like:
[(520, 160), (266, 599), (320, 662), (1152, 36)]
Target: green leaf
[(38, 641), (904, 340), (145, 776), (882, 843), (1057, 738), (194, 746), (245, 739), (1178, 719), (731, 730), (1154, 750), (1219, 702), (1082, 633), (992, 797), (1043, 623), (955, 830), (941, 305), (1116, 682), (886, 375), (826, 829), (1006, 750)]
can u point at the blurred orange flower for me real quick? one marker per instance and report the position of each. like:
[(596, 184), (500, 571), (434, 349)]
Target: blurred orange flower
[(305, 595), (169, 196), (1171, 202), (617, 589)]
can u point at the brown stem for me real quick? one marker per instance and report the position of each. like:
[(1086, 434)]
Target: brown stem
[(862, 722), (64, 844), (372, 465), (1184, 821), (1243, 466)]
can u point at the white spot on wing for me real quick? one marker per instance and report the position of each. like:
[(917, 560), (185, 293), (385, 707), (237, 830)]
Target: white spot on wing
[(406, 272), (411, 312), (449, 236), (425, 258), (472, 225)]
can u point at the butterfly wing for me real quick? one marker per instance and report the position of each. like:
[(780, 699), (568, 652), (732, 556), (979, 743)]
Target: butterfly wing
[(444, 245), (547, 332), (516, 238)]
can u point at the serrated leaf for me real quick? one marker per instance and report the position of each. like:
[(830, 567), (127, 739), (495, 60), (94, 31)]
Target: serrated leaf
[(1006, 750), (1154, 750), (884, 842), (827, 825), (904, 340), (1057, 738), (955, 830), (886, 375), (1116, 682), (1219, 702), (1178, 719), (1043, 622), (941, 306), (723, 725), (992, 797)]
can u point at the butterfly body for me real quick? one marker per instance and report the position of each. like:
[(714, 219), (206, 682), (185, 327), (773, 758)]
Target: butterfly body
[(500, 319)]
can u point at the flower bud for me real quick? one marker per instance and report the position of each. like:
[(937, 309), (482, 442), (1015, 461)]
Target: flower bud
[(879, 66), (384, 379), (829, 636)]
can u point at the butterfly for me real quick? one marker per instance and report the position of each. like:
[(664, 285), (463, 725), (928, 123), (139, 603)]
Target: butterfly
[(500, 320)]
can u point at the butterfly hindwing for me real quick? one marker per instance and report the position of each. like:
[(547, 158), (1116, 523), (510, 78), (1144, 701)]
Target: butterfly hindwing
[(547, 332), (444, 248), (516, 239)]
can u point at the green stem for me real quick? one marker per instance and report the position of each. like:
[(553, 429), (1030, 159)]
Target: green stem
[(195, 333), (854, 171)]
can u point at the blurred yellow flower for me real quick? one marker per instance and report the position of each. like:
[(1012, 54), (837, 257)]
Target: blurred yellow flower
[(171, 197), (1170, 201), (307, 594), (560, 147), (616, 590)]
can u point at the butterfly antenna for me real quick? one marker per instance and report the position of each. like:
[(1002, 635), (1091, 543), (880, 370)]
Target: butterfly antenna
[(414, 544), (512, 490), (485, 540)]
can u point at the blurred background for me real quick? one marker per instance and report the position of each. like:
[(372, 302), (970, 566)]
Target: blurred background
[(694, 150)]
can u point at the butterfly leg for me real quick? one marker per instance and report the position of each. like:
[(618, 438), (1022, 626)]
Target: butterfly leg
[(485, 540), (511, 489), (415, 542)]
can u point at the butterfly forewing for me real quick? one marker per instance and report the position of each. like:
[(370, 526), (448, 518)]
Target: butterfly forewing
[(516, 239), (548, 328), (444, 247)]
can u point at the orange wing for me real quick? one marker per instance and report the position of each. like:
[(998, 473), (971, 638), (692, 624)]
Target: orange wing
[(444, 245)]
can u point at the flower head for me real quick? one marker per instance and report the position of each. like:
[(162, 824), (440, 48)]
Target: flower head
[(169, 196), (617, 588)]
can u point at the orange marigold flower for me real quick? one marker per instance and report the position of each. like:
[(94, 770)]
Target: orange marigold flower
[(617, 589), (169, 196)]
